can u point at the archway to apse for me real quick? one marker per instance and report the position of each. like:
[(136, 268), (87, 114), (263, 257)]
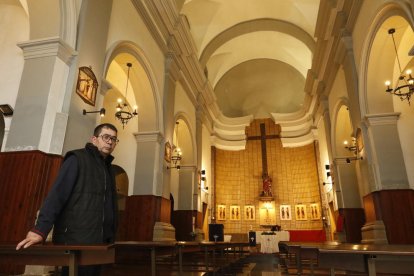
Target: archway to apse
[(382, 47), (138, 91), (183, 179)]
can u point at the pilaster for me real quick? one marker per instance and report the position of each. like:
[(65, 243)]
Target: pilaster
[(40, 102)]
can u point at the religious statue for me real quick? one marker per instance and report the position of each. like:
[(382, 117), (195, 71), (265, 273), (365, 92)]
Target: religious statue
[(267, 185)]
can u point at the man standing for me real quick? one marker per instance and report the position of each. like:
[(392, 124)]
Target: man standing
[(82, 203)]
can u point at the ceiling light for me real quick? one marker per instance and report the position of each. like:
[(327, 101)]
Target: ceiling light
[(404, 87), (124, 112)]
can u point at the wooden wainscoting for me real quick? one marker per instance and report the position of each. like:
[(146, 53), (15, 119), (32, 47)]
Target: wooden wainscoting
[(25, 179), (396, 209), (141, 213)]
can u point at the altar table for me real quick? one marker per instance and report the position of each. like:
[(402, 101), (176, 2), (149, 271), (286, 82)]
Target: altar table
[(270, 243)]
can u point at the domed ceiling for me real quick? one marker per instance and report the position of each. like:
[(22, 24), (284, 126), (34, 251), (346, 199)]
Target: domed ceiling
[(256, 53)]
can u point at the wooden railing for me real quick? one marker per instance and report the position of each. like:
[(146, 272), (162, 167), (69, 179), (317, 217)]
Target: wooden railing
[(74, 255), (58, 255)]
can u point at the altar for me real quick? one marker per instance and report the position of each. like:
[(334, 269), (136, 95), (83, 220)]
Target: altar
[(269, 243)]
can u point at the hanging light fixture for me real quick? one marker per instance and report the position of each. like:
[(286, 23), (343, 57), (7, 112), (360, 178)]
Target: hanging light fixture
[(176, 154), (352, 147), (405, 84), (124, 112)]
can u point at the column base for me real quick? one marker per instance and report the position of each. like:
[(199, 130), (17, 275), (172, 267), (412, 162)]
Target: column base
[(163, 232), (199, 235), (374, 233)]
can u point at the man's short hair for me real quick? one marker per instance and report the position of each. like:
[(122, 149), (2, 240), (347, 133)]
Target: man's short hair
[(99, 128)]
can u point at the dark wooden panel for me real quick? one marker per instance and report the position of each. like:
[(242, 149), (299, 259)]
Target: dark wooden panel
[(397, 212), (354, 219), (141, 213), (165, 211), (25, 179), (182, 222)]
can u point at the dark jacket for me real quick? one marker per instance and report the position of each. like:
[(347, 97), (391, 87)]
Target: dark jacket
[(87, 211)]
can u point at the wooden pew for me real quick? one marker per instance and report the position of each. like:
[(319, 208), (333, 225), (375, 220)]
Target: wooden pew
[(134, 247), (57, 255), (377, 258), (179, 248), (366, 259)]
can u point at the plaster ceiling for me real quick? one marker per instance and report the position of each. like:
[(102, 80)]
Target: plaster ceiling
[(257, 53)]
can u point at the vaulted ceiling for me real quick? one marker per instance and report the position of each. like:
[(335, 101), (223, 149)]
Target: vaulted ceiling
[(256, 54)]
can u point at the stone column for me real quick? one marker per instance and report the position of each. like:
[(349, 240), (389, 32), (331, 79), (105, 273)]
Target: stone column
[(387, 160), (387, 172), (148, 170)]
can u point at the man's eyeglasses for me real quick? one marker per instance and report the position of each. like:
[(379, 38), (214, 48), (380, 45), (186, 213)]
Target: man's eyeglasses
[(106, 138)]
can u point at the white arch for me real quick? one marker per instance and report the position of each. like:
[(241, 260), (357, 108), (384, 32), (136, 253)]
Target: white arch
[(186, 118), (384, 12), (338, 105), (134, 50), (69, 21)]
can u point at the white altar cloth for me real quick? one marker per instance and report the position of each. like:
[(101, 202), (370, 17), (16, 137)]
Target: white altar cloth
[(270, 243)]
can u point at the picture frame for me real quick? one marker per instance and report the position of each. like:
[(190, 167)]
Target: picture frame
[(267, 216), (285, 212), (235, 212), (87, 85), (167, 152), (315, 213), (249, 212), (221, 212), (6, 109), (359, 140), (300, 212)]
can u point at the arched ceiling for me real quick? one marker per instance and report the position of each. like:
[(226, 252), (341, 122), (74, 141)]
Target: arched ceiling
[(256, 53)]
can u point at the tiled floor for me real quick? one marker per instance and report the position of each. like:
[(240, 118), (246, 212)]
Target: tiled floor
[(253, 264)]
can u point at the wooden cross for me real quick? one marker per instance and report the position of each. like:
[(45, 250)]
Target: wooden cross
[(263, 138)]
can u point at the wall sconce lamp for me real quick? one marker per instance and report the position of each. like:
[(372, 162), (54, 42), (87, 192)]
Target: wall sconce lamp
[(176, 154), (6, 109), (203, 179), (203, 175), (100, 111)]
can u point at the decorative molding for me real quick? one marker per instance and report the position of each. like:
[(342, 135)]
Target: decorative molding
[(382, 119), (21, 148), (48, 47), (150, 136)]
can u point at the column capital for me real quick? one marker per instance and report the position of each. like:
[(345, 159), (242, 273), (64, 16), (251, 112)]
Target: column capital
[(149, 136), (48, 47), (381, 119)]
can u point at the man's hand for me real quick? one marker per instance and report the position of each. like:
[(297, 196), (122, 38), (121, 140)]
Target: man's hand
[(31, 238)]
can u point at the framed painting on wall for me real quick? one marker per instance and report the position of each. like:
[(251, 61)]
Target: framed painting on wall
[(249, 212), (221, 212), (87, 85), (167, 153), (315, 213), (285, 212), (300, 212), (235, 212)]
